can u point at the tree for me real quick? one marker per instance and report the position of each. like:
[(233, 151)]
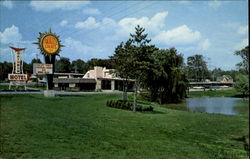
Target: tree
[(140, 57), (244, 54), (131, 59), (100, 62), (242, 83), (197, 68), (159, 71), (166, 79), (27, 67), (63, 65), (215, 73), (79, 66), (5, 69), (122, 60), (35, 61)]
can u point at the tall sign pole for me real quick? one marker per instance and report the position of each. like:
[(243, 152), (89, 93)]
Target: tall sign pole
[(17, 77), (50, 46)]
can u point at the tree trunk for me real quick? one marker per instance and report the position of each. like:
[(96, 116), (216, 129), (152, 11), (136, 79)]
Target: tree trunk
[(135, 97), (125, 94)]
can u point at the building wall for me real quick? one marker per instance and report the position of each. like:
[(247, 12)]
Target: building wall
[(97, 79), (100, 72)]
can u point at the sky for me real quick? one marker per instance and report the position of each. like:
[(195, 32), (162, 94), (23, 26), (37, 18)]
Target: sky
[(93, 29)]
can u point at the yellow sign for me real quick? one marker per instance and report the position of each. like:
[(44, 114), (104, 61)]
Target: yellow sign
[(50, 44)]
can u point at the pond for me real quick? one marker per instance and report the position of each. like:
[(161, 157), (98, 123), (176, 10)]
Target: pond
[(218, 105)]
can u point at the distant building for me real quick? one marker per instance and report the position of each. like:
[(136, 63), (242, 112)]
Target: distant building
[(98, 79), (225, 78)]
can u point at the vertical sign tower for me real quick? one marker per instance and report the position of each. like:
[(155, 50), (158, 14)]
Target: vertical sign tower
[(49, 45), (17, 77)]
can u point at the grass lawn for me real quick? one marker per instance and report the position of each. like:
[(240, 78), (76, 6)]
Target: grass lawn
[(76, 127)]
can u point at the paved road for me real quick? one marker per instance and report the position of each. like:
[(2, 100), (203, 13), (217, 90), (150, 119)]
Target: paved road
[(60, 93)]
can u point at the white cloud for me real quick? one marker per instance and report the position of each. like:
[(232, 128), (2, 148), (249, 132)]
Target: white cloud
[(7, 3), (91, 11), (108, 22), (204, 45), (243, 30), (180, 35), (81, 50), (153, 25), (63, 23), (47, 6), (90, 23), (29, 53), (242, 44), (183, 1), (10, 35), (245, 42), (125, 26), (214, 4)]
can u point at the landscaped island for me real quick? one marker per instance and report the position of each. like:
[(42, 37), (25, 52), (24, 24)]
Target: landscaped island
[(33, 126)]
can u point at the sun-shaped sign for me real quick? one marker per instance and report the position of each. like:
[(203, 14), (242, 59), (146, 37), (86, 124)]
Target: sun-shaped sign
[(49, 43)]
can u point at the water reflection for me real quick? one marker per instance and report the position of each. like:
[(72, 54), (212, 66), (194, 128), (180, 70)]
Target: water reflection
[(220, 105)]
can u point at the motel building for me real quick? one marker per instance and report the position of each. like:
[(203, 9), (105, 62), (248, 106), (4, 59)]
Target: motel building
[(98, 79)]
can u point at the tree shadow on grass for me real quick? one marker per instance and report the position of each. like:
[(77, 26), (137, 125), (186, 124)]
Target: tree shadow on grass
[(245, 140), (153, 112), (70, 95)]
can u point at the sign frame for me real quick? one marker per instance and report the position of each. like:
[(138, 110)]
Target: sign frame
[(51, 40), (42, 69)]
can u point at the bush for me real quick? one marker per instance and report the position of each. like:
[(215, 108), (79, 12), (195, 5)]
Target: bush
[(242, 84), (120, 104)]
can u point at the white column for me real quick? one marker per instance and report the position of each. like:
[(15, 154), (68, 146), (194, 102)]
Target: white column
[(98, 85), (112, 85)]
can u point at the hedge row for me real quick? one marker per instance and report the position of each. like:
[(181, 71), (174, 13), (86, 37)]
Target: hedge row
[(120, 104)]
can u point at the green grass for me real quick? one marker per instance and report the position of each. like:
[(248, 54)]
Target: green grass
[(76, 127), (214, 93)]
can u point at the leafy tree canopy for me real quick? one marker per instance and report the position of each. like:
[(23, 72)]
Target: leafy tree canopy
[(244, 54)]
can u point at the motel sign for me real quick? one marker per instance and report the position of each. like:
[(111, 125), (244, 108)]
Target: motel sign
[(17, 77)]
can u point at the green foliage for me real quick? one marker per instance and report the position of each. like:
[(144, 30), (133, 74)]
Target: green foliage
[(217, 72), (63, 65), (166, 78), (242, 80), (160, 71), (35, 61), (121, 104), (100, 62), (5, 69), (123, 63), (197, 68), (79, 66), (131, 59), (244, 54), (242, 84), (27, 68)]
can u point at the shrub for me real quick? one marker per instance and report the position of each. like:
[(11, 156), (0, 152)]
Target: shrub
[(120, 104)]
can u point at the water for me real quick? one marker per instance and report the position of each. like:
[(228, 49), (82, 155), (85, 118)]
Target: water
[(218, 105)]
